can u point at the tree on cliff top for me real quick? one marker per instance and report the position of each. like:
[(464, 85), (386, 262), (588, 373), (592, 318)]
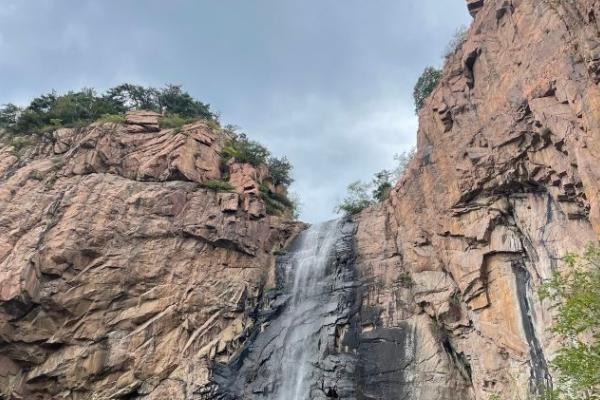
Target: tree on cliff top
[(75, 108)]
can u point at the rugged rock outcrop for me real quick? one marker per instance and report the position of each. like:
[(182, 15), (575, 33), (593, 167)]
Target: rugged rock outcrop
[(504, 182), (120, 275)]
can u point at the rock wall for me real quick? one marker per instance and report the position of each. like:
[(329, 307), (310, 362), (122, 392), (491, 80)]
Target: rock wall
[(504, 182), (120, 276)]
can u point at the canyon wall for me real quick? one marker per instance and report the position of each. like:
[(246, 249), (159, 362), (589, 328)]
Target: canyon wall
[(505, 181), (121, 276)]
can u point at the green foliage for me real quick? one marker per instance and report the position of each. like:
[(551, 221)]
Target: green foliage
[(276, 203), (382, 185), (280, 170), (20, 142), (243, 150), (9, 113), (425, 86), (217, 185), (173, 100), (357, 199), (577, 295), (112, 119), (173, 121), (133, 97), (50, 111), (361, 195), (459, 37)]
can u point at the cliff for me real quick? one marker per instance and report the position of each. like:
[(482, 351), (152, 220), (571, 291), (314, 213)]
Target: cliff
[(123, 275), (120, 274), (505, 181)]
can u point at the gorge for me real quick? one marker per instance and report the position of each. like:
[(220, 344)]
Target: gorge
[(137, 262)]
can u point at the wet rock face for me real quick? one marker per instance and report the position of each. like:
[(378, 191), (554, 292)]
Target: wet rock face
[(305, 342), (505, 181), (120, 277)]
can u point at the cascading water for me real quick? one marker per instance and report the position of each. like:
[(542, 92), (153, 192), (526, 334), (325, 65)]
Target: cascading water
[(302, 350), (302, 316)]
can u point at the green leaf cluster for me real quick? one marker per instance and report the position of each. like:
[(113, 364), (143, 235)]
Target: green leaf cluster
[(576, 295)]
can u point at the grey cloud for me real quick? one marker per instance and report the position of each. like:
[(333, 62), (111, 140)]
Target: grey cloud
[(328, 83)]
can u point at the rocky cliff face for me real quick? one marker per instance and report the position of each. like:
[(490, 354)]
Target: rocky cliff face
[(120, 275), (505, 181)]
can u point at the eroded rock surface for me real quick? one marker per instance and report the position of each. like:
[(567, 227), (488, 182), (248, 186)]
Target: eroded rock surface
[(504, 183), (120, 276)]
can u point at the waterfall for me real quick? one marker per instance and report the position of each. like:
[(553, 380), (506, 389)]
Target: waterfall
[(303, 346), (303, 317)]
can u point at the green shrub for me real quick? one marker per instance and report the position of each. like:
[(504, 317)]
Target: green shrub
[(20, 142), (425, 86), (36, 175), (73, 109), (357, 199), (172, 121), (280, 171), (243, 150), (277, 204), (383, 185), (577, 296), (112, 119), (173, 100), (9, 113), (217, 185)]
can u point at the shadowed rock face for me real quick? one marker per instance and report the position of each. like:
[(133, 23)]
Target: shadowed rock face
[(120, 277)]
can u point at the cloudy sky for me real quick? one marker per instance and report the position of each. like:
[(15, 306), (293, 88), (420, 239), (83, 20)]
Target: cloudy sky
[(326, 82)]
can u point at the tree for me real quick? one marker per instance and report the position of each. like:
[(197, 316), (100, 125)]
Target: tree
[(9, 114), (173, 100), (576, 294), (280, 170), (357, 199), (425, 86), (128, 96), (243, 150), (383, 185)]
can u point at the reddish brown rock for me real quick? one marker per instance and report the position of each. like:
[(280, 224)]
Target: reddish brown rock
[(139, 121), (119, 275), (505, 181)]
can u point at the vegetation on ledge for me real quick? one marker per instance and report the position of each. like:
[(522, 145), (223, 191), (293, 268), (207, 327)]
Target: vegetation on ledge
[(360, 195), (50, 111)]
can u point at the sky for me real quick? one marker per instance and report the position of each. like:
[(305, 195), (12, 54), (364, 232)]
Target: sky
[(327, 83)]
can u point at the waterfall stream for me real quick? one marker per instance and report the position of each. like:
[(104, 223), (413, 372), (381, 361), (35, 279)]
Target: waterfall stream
[(301, 348), (302, 318)]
